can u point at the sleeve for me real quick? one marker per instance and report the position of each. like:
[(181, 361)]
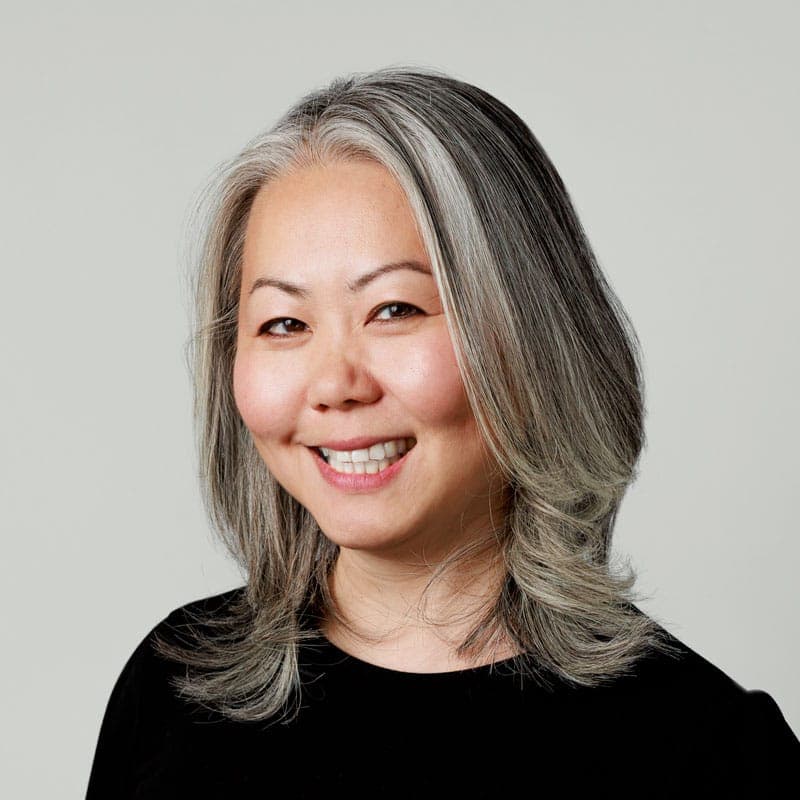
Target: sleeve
[(129, 724)]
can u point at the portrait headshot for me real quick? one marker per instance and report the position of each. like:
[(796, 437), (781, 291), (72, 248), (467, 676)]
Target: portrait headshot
[(404, 420)]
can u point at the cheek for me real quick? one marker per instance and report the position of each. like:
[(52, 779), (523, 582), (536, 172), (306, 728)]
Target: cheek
[(426, 376), (263, 396)]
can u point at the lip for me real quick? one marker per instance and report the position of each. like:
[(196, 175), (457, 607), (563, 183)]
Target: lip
[(353, 482), (359, 443)]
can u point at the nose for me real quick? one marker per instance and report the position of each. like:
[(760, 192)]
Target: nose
[(339, 375)]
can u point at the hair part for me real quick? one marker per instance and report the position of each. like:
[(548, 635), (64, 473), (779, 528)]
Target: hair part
[(550, 365)]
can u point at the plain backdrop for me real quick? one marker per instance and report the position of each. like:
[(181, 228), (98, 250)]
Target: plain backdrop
[(675, 127)]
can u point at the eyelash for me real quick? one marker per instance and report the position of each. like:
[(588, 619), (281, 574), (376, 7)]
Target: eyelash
[(264, 329)]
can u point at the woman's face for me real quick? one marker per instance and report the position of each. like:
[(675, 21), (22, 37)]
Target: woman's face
[(333, 345)]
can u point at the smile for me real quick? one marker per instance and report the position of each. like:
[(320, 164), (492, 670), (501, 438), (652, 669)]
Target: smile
[(365, 471), (369, 460)]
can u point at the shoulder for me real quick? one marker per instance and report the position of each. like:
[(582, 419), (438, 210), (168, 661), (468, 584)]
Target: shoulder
[(144, 715), (199, 611), (180, 626), (180, 621), (685, 671), (145, 682), (722, 733), (689, 679), (204, 605)]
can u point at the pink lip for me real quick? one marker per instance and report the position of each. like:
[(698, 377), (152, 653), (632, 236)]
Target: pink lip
[(359, 443), (352, 481)]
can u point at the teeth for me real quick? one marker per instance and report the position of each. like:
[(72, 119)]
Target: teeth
[(368, 460), (376, 452), (363, 467)]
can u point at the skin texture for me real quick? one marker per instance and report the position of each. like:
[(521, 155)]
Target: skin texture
[(345, 365)]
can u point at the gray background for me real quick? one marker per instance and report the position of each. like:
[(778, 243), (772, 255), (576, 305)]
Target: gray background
[(675, 127)]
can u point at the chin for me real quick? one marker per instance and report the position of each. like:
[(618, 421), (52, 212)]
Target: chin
[(367, 539)]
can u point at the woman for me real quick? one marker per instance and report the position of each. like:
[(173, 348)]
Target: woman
[(419, 406)]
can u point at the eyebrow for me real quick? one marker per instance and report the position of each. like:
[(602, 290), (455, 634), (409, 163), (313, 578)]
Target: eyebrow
[(355, 286)]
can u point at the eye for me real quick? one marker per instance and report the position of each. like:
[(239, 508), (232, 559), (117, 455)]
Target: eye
[(287, 322), (291, 325), (406, 310)]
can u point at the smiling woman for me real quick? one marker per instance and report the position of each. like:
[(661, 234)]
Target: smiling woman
[(364, 362), (419, 406), (350, 379)]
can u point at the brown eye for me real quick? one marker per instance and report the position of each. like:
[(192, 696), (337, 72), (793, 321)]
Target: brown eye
[(405, 310), (288, 322)]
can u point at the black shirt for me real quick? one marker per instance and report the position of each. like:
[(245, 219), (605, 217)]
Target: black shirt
[(675, 727)]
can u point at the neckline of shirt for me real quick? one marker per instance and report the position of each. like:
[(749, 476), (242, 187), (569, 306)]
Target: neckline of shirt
[(326, 653)]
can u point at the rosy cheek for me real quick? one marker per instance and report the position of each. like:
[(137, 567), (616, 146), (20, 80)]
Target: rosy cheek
[(429, 380), (262, 396), (244, 391), (268, 395)]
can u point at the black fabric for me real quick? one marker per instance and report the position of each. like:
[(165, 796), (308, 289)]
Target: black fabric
[(674, 728)]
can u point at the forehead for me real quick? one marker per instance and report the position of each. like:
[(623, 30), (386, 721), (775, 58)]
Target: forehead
[(305, 192), (346, 213)]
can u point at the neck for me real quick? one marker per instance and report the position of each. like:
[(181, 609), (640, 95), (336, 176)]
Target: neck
[(402, 615)]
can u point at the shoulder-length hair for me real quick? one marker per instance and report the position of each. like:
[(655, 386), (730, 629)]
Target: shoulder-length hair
[(549, 361)]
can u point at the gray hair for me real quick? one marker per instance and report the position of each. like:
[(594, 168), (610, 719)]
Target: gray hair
[(549, 361)]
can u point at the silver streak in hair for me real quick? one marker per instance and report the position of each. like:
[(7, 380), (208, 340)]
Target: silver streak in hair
[(549, 361)]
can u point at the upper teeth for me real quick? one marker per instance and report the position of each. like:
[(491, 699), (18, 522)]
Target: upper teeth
[(375, 453)]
